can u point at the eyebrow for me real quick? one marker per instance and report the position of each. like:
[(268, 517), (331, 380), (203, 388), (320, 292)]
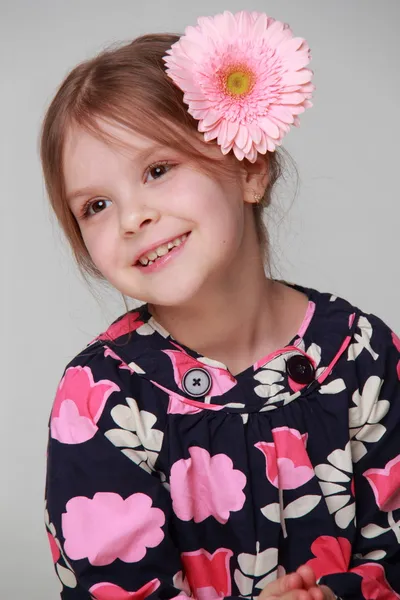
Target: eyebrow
[(89, 190)]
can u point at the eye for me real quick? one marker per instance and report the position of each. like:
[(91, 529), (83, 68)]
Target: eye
[(157, 170), (86, 209)]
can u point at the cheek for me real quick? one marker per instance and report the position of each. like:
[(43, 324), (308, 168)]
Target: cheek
[(100, 246)]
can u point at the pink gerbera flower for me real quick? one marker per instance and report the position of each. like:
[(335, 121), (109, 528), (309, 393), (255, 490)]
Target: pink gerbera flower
[(244, 79)]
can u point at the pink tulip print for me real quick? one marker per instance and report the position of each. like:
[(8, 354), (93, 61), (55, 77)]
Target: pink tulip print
[(110, 591), (287, 464), (128, 323), (78, 405), (385, 484), (396, 342), (208, 574)]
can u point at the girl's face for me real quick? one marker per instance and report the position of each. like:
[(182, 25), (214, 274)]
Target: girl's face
[(139, 197)]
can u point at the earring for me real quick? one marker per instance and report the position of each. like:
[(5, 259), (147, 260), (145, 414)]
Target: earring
[(257, 197)]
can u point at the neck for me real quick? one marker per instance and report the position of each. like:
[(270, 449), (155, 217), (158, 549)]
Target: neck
[(239, 323)]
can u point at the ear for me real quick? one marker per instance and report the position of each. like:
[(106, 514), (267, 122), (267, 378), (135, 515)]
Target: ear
[(254, 177)]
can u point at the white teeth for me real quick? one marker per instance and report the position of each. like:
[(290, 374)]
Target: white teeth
[(148, 259)]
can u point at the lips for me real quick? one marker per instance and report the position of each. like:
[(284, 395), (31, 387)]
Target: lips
[(153, 248)]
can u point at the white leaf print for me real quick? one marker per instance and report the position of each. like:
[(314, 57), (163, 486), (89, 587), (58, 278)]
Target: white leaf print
[(265, 561), (374, 555), (301, 506), (335, 503), (373, 531), (211, 362), (362, 341), (272, 512), (345, 515), (359, 414), (245, 418), (124, 416), (247, 563), (315, 352), (330, 473), (380, 409), (270, 577), (371, 433), (46, 517), (66, 576), (145, 329), (268, 377), (158, 327), (358, 450), (152, 458), (135, 368), (52, 530), (331, 488), (122, 438), (334, 387), (265, 391), (138, 457), (341, 459), (245, 584)]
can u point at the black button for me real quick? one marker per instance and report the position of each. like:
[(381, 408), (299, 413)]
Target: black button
[(300, 369)]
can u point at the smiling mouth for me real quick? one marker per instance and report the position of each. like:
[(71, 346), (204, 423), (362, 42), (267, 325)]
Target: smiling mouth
[(146, 260)]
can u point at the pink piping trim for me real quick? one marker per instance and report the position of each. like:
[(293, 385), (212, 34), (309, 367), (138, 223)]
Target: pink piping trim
[(306, 321), (329, 368), (284, 350), (303, 328)]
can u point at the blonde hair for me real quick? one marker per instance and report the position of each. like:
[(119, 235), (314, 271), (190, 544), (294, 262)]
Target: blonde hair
[(128, 85)]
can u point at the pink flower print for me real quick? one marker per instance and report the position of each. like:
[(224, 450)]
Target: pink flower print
[(374, 583), (222, 380), (110, 591), (208, 574), (108, 527), (129, 322), (396, 342), (78, 405), (385, 484), (332, 555), (203, 486), (55, 550), (287, 464)]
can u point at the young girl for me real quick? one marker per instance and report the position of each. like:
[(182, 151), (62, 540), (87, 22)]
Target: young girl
[(234, 435)]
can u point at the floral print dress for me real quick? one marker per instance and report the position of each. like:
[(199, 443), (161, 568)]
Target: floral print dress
[(169, 476)]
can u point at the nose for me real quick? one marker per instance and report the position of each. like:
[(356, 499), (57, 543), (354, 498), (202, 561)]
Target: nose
[(137, 217)]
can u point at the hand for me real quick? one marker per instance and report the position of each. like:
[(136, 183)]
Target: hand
[(300, 585)]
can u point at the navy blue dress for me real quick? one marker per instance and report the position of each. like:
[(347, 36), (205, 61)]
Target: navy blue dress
[(169, 476)]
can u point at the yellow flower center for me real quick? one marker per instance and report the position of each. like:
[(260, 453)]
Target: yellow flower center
[(239, 81)]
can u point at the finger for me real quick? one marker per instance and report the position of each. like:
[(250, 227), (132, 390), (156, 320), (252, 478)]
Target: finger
[(308, 576), (327, 593), (295, 595), (282, 585), (317, 593)]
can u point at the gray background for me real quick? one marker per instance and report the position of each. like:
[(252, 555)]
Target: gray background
[(339, 234)]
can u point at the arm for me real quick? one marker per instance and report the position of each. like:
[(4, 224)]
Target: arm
[(375, 432), (107, 517)]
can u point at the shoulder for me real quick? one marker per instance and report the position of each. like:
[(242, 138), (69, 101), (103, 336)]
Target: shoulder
[(98, 381), (371, 342)]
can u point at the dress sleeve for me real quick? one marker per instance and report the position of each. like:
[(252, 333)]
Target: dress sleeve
[(374, 420), (107, 511)]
